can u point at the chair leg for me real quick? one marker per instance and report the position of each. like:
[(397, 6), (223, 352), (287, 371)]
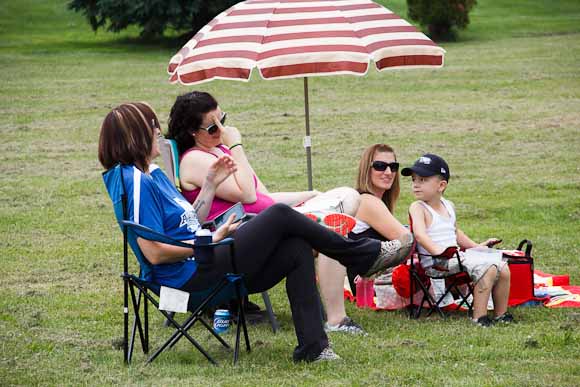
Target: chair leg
[(166, 323), (411, 306), (436, 305), (271, 316), (137, 325), (213, 332), (196, 315), (238, 329), (146, 320), (181, 331), (415, 279), (241, 324), (464, 298), (126, 357)]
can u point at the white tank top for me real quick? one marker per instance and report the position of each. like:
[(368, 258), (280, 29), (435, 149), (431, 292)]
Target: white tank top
[(442, 229)]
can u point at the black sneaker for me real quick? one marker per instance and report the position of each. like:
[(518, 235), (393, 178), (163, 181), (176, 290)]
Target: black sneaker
[(506, 318), (392, 253), (483, 321)]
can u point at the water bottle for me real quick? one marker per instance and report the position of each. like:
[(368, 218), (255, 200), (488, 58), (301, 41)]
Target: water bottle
[(221, 321), (365, 293), (203, 238)]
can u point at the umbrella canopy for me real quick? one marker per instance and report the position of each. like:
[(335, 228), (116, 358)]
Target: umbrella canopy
[(301, 38)]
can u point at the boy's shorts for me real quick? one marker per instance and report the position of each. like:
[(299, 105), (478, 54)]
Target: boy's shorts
[(475, 267)]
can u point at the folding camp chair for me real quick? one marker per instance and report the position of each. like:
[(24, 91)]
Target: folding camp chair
[(141, 288), (453, 284), (420, 280), (170, 156)]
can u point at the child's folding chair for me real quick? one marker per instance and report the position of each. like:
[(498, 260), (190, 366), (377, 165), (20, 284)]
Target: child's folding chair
[(454, 282)]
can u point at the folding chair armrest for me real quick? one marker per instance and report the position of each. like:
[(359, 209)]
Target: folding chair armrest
[(149, 234), (144, 232), (448, 253), (223, 242)]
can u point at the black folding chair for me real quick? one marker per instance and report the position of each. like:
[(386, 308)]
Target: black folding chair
[(143, 290), (229, 287)]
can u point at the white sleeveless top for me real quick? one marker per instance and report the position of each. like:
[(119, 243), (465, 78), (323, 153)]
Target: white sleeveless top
[(442, 229)]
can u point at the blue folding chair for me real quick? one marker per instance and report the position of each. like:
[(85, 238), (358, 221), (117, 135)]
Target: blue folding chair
[(230, 287), (170, 156)]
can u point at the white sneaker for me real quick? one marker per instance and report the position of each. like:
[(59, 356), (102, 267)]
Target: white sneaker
[(391, 254), (327, 354), (347, 325)]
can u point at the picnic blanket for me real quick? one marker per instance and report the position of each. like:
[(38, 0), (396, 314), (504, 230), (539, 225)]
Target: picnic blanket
[(550, 290), (557, 290)]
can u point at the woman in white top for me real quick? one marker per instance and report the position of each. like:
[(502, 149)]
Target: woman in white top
[(378, 185)]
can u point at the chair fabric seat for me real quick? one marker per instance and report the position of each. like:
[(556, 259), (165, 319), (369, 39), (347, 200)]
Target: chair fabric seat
[(196, 298)]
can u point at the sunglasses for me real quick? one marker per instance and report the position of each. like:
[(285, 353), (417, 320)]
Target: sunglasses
[(213, 127), (381, 166)]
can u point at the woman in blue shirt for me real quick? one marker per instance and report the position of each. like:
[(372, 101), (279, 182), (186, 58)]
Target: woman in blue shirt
[(275, 245)]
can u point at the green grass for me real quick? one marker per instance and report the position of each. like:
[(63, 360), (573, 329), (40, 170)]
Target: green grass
[(504, 111)]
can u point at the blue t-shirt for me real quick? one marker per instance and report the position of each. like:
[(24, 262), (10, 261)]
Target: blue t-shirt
[(153, 201)]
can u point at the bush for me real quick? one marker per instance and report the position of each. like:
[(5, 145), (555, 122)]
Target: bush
[(441, 17), (152, 16)]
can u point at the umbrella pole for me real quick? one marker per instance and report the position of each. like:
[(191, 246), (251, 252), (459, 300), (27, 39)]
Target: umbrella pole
[(307, 140)]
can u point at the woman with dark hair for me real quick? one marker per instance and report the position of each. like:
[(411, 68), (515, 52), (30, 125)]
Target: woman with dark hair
[(197, 124), (378, 185), (277, 244)]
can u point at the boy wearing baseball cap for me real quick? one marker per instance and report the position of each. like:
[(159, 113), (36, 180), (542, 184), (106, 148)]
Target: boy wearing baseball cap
[(435, 229)]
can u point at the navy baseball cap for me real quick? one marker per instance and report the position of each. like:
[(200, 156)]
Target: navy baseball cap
[(428, 165)]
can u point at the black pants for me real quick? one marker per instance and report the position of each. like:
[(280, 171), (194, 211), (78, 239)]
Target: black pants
[(278, 244), (368, 233)]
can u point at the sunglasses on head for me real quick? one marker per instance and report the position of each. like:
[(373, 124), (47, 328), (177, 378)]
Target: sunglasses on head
[(381, 166), (213, 127)]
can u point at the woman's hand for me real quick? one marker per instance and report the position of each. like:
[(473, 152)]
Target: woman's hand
[(220, 170), (226, 229), (230, 136)]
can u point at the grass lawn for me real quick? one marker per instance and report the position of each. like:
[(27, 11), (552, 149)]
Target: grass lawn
[(504, 111)]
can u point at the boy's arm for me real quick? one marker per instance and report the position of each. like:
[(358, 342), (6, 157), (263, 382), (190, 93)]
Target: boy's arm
[(465, 242), (417, 213)]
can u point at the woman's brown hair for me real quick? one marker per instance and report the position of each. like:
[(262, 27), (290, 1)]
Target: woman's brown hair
[(127, 135), (364, 183)]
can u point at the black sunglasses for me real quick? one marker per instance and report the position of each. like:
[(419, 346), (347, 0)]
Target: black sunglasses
[(381, 166), (213, 127)]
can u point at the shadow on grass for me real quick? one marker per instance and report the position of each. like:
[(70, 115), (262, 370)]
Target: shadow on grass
[(162, 45)]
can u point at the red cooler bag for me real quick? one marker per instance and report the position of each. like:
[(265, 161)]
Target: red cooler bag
[(521, 266)]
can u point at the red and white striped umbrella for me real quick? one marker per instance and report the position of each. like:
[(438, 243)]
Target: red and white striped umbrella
[(302, 38)]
